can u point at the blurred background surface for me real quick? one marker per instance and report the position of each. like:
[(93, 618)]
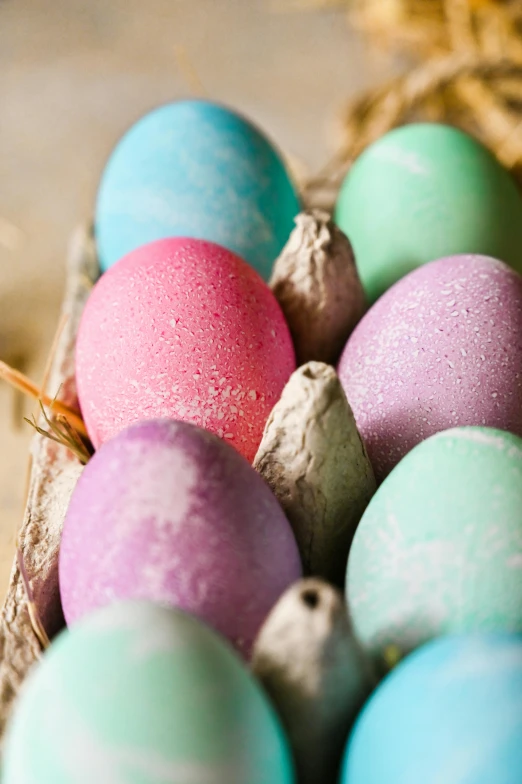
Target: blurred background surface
[(73, 76)]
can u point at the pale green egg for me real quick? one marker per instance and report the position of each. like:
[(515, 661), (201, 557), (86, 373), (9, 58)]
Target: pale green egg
[(140, 694), (424, 191), (439, 548)]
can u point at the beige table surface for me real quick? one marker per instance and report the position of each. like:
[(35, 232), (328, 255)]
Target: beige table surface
[(73, 75)]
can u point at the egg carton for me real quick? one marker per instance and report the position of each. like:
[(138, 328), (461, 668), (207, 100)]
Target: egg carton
[(53, 475), (310, 454)]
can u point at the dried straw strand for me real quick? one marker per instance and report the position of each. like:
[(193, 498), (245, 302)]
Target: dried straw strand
[(61, 432), (189, 72), (464, 84), (25, 385), (431, 28)]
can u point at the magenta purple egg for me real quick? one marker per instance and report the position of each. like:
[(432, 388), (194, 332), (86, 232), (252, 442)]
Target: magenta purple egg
[(168, 512), (441, 348)]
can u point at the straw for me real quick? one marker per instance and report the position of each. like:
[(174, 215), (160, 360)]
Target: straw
[(18, 380)]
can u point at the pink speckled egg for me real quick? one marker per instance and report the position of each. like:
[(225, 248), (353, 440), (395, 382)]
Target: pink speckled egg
[(168, 512), (184, 329), (443, 347)]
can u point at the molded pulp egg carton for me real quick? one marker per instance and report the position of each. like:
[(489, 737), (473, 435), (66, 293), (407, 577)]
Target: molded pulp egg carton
[(54, 472), (312, 457)]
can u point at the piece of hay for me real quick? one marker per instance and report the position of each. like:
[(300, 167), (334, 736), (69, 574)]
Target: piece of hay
[(466, 90), (467, 72)]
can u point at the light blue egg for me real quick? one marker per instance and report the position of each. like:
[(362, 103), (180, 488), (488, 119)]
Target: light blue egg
[(450, 713), (195, 169), (140, 694)]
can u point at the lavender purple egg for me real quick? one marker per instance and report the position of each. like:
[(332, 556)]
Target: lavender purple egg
[(168, 512), (441, 348)]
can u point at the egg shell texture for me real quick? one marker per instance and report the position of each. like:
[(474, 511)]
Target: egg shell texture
[(439, 548), (424, 191), (443, 347), (182, 328), (195, 169), (449, 714), (168, 512), (138, 694)]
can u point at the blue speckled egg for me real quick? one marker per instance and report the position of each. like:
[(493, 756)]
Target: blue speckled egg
[(195, 169), (141, 694), (451, 713)]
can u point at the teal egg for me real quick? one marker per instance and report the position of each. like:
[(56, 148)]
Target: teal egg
[(424, 191), (140, 694), (449, 714), (195, 169), (439, 548)]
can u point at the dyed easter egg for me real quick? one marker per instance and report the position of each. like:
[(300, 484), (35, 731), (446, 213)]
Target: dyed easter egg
[(424, 191), (182, 328), (195, 169), (139, 694), (449, 713), (439, 548), (442, 348), (170, 513)]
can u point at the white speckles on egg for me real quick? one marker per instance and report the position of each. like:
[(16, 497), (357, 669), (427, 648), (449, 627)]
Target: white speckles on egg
[(227, 343), (467, 357)]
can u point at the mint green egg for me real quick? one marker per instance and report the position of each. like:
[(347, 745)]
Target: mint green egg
[(139, 694), (424, 191), (439, 548)]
